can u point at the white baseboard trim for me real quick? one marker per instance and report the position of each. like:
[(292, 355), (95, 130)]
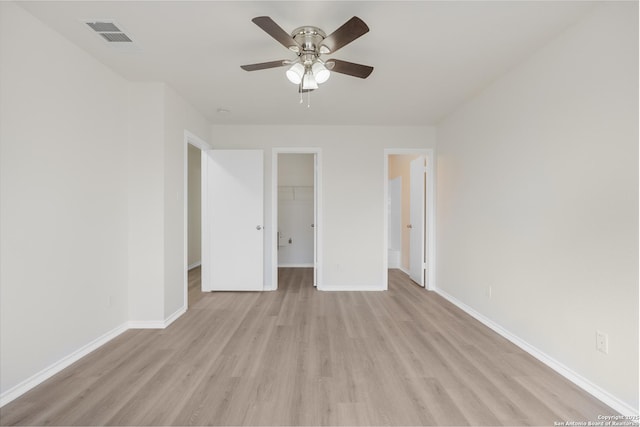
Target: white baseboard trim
[(146, 324), (172, 318), (591, 388), (66, 361), (303, 265), (26, 385), (194, 265), (157, 324)]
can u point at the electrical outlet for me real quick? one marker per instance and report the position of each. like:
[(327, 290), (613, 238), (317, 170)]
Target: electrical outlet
[(602, 342)]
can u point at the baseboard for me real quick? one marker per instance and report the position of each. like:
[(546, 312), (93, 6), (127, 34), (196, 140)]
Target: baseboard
[(172, 318), (146, 324), (194, 265), (58, 366), (157, 324), (591, 388), (66, 361)]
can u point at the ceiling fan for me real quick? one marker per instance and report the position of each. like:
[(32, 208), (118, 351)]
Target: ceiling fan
[(308, 70)]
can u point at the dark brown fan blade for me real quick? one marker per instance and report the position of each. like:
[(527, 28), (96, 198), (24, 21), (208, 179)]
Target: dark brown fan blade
[(265, 65), (348, 32), (275, 31), (349, 68)]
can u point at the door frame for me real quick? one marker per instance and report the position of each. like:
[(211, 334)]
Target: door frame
[(189, 139), (430, 212), (317, 207)]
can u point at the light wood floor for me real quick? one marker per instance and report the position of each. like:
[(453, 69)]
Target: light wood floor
[(303, 357)]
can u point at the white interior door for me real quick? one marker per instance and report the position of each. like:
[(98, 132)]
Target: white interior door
[(417, 213), (232, 220)]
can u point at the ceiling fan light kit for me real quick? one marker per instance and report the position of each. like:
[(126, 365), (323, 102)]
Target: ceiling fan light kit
[(320, 72), (295, 73), (309, 81), (308, 70)]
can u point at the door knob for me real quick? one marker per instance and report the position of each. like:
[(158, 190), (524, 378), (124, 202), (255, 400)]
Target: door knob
[(258, 227), (409, 226)]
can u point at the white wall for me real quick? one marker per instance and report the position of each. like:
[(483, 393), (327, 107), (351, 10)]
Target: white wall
[(295, 169), (63, 214), (92, 208), (179, 116), (352, 191), (146, 202), (158, 118), (394, 216), (194, 231), (538, 199)]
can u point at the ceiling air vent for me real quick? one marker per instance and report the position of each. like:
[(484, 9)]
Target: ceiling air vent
[(115, 37), (109, 31)]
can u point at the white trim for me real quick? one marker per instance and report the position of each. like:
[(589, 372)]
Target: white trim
[(194, 265), (146, 324), (157, 324), (204, 202), (274, 209), (176, 314), (189, 138), (51, 370), (430, 227), (303, 265), (591, 388)]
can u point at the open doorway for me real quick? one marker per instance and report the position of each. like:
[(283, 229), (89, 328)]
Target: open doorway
[(296, 210), (296, 207), (409, 200), (194, 223), (193, 147)]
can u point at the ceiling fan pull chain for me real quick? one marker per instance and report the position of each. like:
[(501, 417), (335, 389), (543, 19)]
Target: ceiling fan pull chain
[(309, 99)]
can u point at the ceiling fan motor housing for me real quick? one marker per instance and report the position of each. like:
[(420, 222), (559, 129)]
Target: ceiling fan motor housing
[(309, 38)]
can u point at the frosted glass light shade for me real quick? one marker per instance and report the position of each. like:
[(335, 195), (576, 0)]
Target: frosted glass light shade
[(295, 73), (309, 82), (320, 72)]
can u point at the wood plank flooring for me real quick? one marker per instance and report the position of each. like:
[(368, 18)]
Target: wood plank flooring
[(298, 356)]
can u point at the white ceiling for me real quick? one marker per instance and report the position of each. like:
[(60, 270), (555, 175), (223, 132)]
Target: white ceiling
[(429, 56)]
